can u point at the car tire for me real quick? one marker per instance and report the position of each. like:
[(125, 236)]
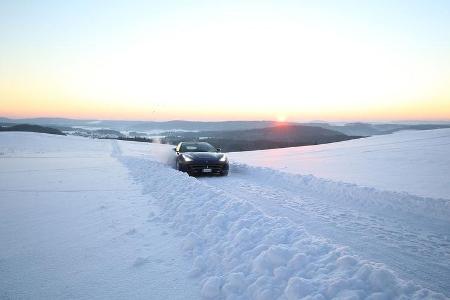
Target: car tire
[(224, 173)]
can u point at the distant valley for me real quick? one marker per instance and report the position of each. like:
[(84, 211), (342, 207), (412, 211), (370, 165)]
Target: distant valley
[(231, 136)]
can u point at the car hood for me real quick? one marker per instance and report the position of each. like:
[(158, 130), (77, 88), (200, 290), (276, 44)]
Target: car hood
[(213, 156)]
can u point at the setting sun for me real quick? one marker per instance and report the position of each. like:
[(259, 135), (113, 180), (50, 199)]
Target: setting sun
[(281, 118)]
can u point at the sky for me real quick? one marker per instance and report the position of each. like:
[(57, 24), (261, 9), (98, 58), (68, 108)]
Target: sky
[(226, 60)]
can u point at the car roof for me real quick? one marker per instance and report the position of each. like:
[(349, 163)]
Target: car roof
[(194, 143)]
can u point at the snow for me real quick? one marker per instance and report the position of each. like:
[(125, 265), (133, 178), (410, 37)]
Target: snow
[(417, 162), (113, 219), (74, 226), (408, 233), (233, 228)]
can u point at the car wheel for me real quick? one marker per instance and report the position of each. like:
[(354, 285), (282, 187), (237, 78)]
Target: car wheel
[(224, 173), (177, 165)]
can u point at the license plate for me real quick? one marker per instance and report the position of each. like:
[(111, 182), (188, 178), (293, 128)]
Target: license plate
[(207, 170)]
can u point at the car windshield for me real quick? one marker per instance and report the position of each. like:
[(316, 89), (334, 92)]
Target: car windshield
[(197, 147)]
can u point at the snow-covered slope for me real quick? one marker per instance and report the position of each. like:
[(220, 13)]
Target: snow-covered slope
[(114, 215), (73, 225), (417, 162)]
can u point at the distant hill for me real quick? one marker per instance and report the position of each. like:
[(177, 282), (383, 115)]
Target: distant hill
[(32, 128), (262, 138), (145, 128), (368, 129), (143, 125)]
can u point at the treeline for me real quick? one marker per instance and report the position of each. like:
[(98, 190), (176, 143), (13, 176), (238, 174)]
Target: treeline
[(136, 139), (32, 128)]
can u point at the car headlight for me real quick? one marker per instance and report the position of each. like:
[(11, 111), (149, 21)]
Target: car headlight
[(186, 158), (223, 158)]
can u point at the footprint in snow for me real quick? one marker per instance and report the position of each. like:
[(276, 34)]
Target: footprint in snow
[(131, 231), (140, 261), (151, 217)]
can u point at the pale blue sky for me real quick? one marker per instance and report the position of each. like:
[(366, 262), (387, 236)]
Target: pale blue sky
[(421, 22)]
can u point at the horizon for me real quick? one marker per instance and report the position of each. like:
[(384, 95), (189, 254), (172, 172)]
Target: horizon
[(236, 120), (285, 61)]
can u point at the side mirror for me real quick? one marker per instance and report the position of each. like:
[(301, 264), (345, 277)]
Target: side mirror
[(218, 149), (174, 149)]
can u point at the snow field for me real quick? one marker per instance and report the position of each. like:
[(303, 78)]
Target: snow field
[(100, 219), (416, 162), (73, 225), (349, 194), (412, 242), (238, 252)]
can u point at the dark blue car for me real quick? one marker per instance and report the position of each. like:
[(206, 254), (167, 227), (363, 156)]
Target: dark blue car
[(200, 158)]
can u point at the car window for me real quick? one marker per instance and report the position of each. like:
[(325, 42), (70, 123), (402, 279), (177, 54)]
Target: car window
[(197, 147)]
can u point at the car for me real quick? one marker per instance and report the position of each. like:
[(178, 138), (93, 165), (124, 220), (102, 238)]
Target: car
[(200, 158)]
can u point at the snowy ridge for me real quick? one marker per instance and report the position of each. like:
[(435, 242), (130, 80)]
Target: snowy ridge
[(367, 198), (241, 253)]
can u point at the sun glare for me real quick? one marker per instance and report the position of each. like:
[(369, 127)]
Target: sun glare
[(281, 118)]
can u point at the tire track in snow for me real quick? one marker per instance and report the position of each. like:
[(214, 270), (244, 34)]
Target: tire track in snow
[(417, 247)]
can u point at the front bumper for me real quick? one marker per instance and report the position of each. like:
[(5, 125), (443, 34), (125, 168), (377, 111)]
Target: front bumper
[(198, 168)]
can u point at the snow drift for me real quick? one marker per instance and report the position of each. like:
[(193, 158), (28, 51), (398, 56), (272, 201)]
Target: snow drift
[(238, 252)]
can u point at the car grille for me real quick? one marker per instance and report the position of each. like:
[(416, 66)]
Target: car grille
[(215, 168)]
